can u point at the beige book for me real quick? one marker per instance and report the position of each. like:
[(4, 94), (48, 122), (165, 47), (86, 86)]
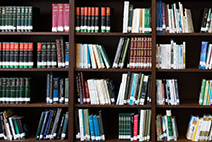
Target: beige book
[(97, 56), (107, 91), (93, 59), (189, 20), (141, 20), (104, 92), (78, 55)]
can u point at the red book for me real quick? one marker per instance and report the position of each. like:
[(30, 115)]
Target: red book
[(54, 17), (135, 128), (163, 93), (142, 53), (16, 54), (87, 93), (134, 53), (66, 17), (12, 55), (30, 55), (60, 17), (39, 47), (1, 55), (59, 54), (150, 52), (138, 57), (131, 52)]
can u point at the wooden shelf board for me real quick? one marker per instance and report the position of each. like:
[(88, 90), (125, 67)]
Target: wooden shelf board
[(184, 34), (32, 139), (185, 105), (111, 106), (112, 34), (183, 70), (113, 70), (33, 33), (36, 104), (33, 69)]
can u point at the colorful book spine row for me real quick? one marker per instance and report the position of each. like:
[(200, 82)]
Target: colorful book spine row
[(205, 56), (205, 93), (167, 92), (206, 25), (199, 128), (137, 51), (135, 127), (88, 19), (171, 56), (134, 89), (16, 90), (53, 54), (166, 127), (89, 127), (17, 18), (16, 55), (60, 17), (52, 125), (137, 20), (56, 89), (91, 56), (13, 127), (173, 19)]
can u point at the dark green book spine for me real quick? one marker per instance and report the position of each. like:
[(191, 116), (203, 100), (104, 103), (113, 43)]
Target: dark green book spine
[(12, 90), (6, 18), (10, 19), (66, 90), (65, 125), (14, 18), (3, 18), (54, 55), (4, 83), (129, 28), (12, 54), (0, 17), (40, 125), (62, 91), (62, 52), (17, 91), (27, 90), (21, 55), (48, 55), (0, 91), (26, 18), (43, 55), (7, 55), (16, 54), (18, 26), (22, 18), (30, 55), (21, 95), (7, 98), (30, 28), (26, 60)]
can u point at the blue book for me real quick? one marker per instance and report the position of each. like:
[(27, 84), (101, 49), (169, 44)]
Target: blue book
[(89, 60), (164, 129), (176, 91), (43, 126), (161, 17), (203, 55), (56, 90), (66, 54), (100, 128), (48, 89), (91, 125), (168, 93), (158, 16), (133, 89), (96, 129), (47, 124), (180, 56)]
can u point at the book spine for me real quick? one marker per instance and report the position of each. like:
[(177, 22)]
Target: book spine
[(66, 17), (169, 125), (26, 18), (30, 55), (4, 84), (96, 23), (30, 14), (62, 91), (12, 90), (55, 90), (118, 52), (56, 121), (43, 125), (21, 55), (7, 63), (48, 54), (27, 90), (11, 54), (87, 93), (144, 88), (108, 19), (48, 89), (22, 90), (85, 19), (22, 18), (4, 55), (44, 55), (59, 53), (81, 19), (16, 54), (66, 90), (59, 132), (47, 124), (3, 18), (204, 20), (77, 12), (10, 18), (203, 55), (89, 19), (66, 54), (53, 55), (6, 18), (1, 98), (1, 46), (39, 50), (103, 26), (7, 96), (39, 126), (135, 128), (92, 19), (54, 17), (60, 18), (18, 22), (62, 47), (17, 90)]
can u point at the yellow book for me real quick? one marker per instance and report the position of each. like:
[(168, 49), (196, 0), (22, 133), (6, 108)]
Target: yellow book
[(195, 131), (77, 55), (141, 20)]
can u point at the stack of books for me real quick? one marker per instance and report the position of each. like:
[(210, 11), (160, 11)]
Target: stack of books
[(56, 89), (171, 56), (60, 17), (89, 127), (136, 20), (166, 127), (137, 51), (88, 19), (206, 25), (17, 90), (16, 55), (91, 56), (134, 89), (52, 125), (135, 127), (53, 54), (205, 93), (172, 19), (13, 127), (205, 56), (167, 92), (199, 128)]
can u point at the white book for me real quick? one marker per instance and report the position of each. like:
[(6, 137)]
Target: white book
[(159, 92), (136, 20), (210, 26), (176, 18), (168, 56), (180, 54), (181, 16), (104, 91), (90, 90), (173, 20), (81, 125), (99, 92), (142, 124), (174, 126), (157, 56), (174, 91), (170, 20), (107, 91), (208, 57), (125, 16), (119, 93), (92, 57), (163, 55), (176, 51), (97, 56), (124, 80), (12, 127), (95, 93)]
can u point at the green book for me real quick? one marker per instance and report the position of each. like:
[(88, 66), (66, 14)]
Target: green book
[(129, 28), (65, 125), (170, 134), (140, 89), (16, 128), (159, 127), (104, 56), (17, 90), (7, 98), (202, 92), (0, 17), (18, 22), (149, 124), (124, 54), (30, 28), (26, 18), (4, 83), (22, 18), (40, 125), (1, 90), (66, 90), (12, 90), (87, 125), (21, 90), (100, 57), (14, 18), (10, 18), (147, 20), (3, 12), (6, 18), (27, 87)]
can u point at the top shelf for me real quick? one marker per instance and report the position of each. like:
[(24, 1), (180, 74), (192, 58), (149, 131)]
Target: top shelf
[(33, 33), (112, 34)]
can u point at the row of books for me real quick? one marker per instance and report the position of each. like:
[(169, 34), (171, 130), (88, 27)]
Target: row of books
[(60, 17), (18, 18), (52, 125), (12, 126), (171, 56), (88, 19), (167, 92), (16, 55), (173, 20), (56, 89), (89, 127), (91, 56), (135, 127), (17, 90), (137, 50), (206, 25), (199, 128), (205, 56), (166, 127), (205, 93), (136, 20), (53, 54), (134, 89)]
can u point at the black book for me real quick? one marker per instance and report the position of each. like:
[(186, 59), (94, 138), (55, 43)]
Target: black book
[(149, 90), (1, 45), (7, 55), (76, 121), (48, 54), (122, 52), (26, 60), (4, 55), (127, 87), (137, 88), (43, 55), (25, 126), (59, 132), (204, 20), (78, 89), (85, 19), (48, 134), (131, 126), (112, 99), (96, 20), (77, 19), (103, 25), (130, 87), (62, 51), (128, 53), (55, 125), (92, 19), (53, 55), (2, 127), (21, 55), (20, 128), (81, 19), (89, 19), (11, 55), (16, 54), (101, 124), (62, 91)]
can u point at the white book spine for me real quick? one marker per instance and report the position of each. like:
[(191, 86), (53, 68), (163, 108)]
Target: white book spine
[(119, 93), (81, 125), (142, 124), (124, 76), (136, 20), (176, 56), (99, 92), (208, 57), (125, 16), (107, 92), (176, 18)]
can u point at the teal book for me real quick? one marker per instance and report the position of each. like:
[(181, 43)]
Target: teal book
[(203, 54)]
